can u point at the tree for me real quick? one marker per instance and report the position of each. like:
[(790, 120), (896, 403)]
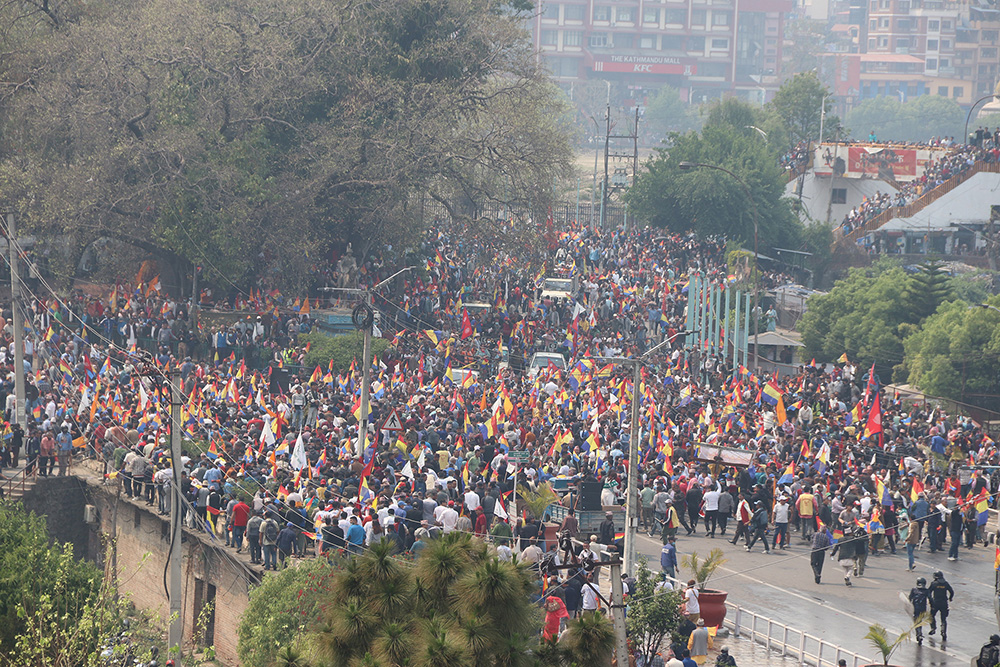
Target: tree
[(285, 605), (667, 112), (798, 103), (653, 615), (711, 201), (865, 315), (928, 287), (956, 354), (341, 350), (54, 610), (246, 135), (916, 120), (456, 605)]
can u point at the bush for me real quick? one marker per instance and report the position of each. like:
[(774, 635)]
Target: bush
[(283, 607), (340, 349)]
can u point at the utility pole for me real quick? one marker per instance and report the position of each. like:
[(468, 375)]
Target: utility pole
[(195, 300), (17, 322), (364, 317), (632, 491), (176, 633), (618, 612), (607, 145)]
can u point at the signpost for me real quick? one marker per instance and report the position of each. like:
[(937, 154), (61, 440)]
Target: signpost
[(393, 422)]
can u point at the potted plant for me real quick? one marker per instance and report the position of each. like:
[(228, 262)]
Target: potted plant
[(884, 644), (711, 602)]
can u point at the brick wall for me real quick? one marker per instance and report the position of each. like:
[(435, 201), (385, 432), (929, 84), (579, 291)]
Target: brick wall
[(143, 542)]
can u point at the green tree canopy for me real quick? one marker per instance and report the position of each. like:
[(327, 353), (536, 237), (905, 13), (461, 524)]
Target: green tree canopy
[(956, 354), (917, 119), (244, 134), (710, 201), (667, 112), (455, 605), (864, 315), (798, 103)]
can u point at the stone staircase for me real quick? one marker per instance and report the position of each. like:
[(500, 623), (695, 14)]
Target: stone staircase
[(16, 483)]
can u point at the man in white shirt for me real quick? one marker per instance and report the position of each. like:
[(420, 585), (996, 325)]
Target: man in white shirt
[(711, 500), (447, 516), (590, 596), (472, 500)]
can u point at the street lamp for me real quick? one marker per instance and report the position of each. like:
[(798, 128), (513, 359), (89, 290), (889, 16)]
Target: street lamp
[(968, 116), (631, 490), (985, 306), (597, 150), (685, 166)]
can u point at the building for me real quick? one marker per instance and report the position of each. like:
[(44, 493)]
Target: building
[(704, 48), (908, 48)]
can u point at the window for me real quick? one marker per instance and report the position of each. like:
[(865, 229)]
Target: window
[(564, 66), (883, 4), (672, 43), (650, 15), (874, 5), (883, 42), (988, 53), (902, 25), (204, 608), (902, 42), (989, 35), (647, 43), (931, 63), (549, 37), (903, 7), (602, 13), (720, 18), (943, 91), (598, 40), (696, 44), (871, 42), (698, 17), (932, 45), (945, 44), (720, 44), (624, 14), (958, 91), (944, 62), (675, 16), (883, 23), (946, 25), (622, 41), (933, 25), (573, 12), (873, 25), (573, 38), (838, 196), (550, 11)]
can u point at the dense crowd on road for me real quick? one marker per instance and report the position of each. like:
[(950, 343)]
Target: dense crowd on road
[(274, 463)]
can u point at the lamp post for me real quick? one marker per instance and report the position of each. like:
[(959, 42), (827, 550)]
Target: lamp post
[(597, 150), (685, 166), (985, 306), (968, 116), (631, 490)]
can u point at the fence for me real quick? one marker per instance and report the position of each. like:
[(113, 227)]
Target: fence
[(777, 636)]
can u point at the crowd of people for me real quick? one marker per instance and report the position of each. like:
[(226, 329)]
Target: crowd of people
[(274, 463), (934, 174)]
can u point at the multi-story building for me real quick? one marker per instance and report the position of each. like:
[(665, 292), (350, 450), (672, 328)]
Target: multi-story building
[(920, 47), (705, 48)]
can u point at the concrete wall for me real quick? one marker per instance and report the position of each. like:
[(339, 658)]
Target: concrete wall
[(816, 193), (142, 545)]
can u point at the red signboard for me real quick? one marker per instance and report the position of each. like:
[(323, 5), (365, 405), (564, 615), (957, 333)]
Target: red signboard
[(645, 65), (878, 160)]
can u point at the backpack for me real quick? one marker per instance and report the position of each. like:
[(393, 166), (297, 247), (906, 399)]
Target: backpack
[(989, 656), (271, 530)]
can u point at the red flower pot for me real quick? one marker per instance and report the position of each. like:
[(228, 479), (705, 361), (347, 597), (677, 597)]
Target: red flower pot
[(713, 606)]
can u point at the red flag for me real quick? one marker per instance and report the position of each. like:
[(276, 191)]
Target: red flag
[(874, 424), (467, 329)]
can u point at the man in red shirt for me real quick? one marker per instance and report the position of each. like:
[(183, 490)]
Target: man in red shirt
[(241, 514)]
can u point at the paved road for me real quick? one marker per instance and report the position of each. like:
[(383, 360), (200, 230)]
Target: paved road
[(781, 587)]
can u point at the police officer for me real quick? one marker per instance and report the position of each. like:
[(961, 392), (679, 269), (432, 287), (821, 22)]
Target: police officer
[(941, 593), (918, 598)]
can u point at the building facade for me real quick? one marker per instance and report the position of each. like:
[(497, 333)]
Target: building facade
[(908, 48), (704, 48)]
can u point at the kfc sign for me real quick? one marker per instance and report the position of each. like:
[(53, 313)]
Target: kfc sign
[(645, 65)]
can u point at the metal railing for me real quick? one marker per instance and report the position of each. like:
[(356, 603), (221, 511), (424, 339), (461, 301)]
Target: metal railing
[(926, 199), (19, 481), (776, 636)]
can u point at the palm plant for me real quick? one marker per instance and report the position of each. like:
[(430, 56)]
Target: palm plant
[(590, 640), (702, 570), (879, 637), (537, 501)]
